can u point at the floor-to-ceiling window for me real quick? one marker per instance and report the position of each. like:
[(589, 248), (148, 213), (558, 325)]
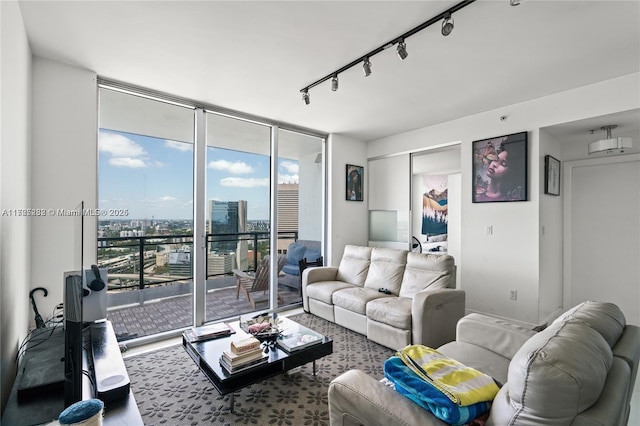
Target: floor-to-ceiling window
[(243, 190), (145, 169)]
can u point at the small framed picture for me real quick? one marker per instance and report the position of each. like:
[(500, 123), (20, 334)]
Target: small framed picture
[(355, 176), (551, 175), (500, 169)]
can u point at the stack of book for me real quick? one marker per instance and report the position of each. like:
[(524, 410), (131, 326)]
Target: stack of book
[(207, 332), (242, 355)]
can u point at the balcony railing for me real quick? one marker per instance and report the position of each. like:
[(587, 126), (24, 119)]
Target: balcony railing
[(139, 262)]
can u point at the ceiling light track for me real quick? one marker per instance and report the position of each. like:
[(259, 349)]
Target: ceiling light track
[(401, 49)]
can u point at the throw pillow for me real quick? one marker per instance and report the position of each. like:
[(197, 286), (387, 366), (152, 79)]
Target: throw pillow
[(295, 252)]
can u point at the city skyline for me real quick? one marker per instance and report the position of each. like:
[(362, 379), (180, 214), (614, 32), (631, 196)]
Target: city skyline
[(153, 178)]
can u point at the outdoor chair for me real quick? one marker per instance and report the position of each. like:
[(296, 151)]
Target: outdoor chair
[(253, 283), (304, 264)]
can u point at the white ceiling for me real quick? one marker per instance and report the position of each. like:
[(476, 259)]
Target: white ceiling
[(255, 56)]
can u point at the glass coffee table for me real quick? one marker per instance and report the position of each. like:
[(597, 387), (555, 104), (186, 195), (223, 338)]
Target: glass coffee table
[(206, 355)]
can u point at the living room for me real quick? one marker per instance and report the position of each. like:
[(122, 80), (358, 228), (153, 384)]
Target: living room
[(49, 118)]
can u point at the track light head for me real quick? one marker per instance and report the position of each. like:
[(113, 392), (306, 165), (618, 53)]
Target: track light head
[(366, 66), (305, 97), (515, 2), (401, 50), (334, 83), (447, 25)]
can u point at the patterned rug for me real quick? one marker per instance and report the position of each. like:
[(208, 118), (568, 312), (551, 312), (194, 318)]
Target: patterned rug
[(171, 390)]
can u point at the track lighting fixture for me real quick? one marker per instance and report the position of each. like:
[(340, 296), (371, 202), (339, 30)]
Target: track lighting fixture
[(366, 66), (514, 2), (447, 25), (401, 46), (401, 50), (334, 83)]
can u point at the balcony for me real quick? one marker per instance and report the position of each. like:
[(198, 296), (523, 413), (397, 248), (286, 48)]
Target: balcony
[(150, 285)]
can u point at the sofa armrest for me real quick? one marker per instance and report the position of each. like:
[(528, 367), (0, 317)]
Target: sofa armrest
[(320, 273), (358, 399), (434, 314), (497, 335)]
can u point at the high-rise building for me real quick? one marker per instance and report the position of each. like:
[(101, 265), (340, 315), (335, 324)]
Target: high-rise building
[(226, 220), (287, 207)]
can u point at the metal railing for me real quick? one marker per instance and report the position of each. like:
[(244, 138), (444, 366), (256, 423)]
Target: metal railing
[(131, 260)]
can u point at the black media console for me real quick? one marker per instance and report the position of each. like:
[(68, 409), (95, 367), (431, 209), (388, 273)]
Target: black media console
[(37, 395)]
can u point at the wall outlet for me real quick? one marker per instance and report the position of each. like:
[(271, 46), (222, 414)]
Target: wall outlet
[(488, 229), (513, 294)]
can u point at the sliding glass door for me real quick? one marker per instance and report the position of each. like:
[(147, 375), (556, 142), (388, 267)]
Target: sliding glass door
[(238, 183)]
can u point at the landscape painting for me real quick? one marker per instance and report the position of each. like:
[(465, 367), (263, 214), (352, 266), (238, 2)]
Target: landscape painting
[(435, 205)]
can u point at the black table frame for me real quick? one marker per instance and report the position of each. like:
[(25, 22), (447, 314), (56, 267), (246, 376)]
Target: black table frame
[(207, 354)]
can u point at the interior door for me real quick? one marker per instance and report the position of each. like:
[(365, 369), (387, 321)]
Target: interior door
[(605, 234)]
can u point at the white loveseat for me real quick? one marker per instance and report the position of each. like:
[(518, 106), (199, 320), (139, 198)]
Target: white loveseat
[(422, 307)]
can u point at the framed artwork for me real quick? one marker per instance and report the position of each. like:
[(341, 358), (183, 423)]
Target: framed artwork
[(500, 169), (355, 176), (551, 175)]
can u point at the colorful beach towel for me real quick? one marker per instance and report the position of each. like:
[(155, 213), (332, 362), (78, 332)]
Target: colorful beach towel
[(427, 396), (461, 384)]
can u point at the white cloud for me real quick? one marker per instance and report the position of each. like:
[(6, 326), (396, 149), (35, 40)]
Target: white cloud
[(180, 146), (244, 183), (168, 198), (290, 167), (287, 178), (237, 168), (119, 145), (133, 163)]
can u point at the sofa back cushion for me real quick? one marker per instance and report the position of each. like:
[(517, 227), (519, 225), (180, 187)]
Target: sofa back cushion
[(606, 318), (556, 375), (354, 265), (425, 270), (386, 269)]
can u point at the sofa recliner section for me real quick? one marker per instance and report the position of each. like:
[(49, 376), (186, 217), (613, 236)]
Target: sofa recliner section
[(420, 306), (580, 370)]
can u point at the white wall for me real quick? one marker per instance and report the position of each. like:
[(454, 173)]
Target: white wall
[(64, 161), (15, 188), (347, 222), (510, 258)]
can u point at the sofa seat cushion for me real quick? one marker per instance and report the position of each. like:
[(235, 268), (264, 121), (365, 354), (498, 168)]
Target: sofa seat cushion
[(324, 290), (386, 269), (393, 311), (291, 270), (355, 299), (571, 358), (482, 359)]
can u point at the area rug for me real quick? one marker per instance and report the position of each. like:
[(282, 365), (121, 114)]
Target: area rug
[(171, 390)]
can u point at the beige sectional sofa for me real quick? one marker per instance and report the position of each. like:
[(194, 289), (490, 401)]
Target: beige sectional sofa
[(422, 305), (580, 370)]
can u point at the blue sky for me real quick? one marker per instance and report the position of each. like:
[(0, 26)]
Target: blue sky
[(153, 177)]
